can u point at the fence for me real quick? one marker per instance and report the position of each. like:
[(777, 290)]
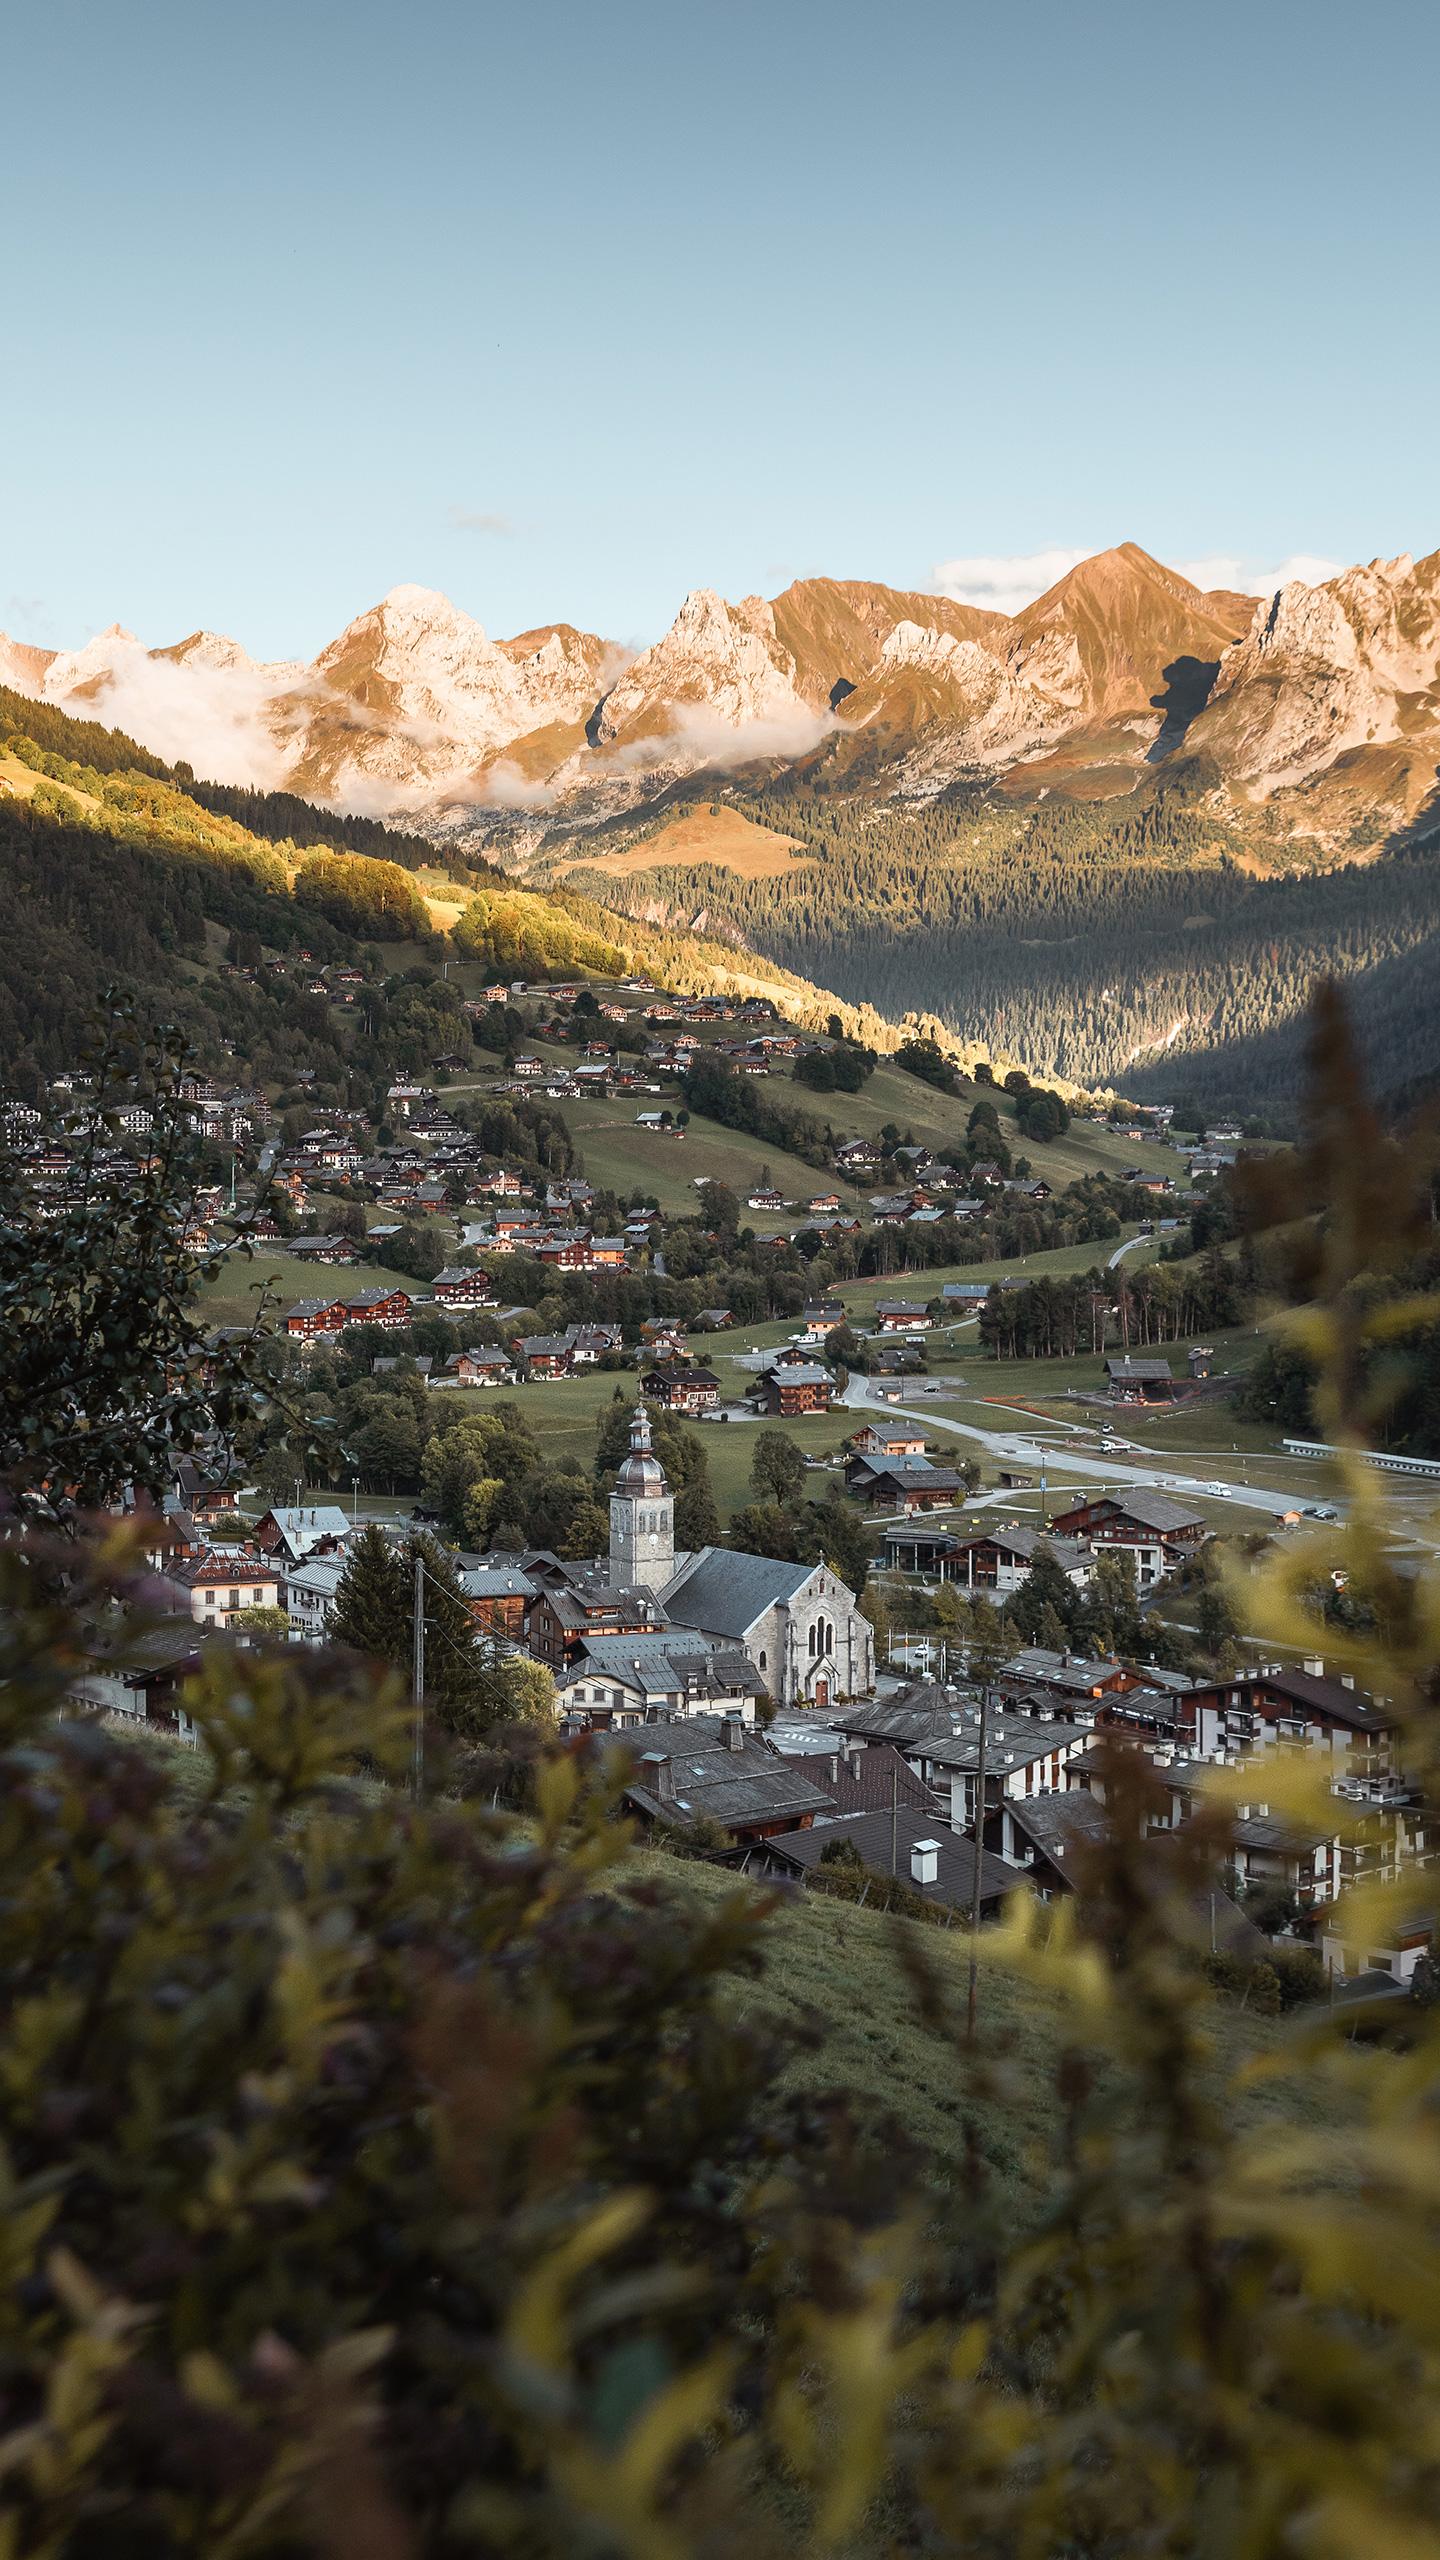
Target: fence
[(1393, 1465)]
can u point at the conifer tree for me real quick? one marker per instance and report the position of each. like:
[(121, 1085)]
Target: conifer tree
[(372, 1599)]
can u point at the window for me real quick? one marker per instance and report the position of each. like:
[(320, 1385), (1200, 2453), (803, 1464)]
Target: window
[(234, 1599), (762, 1661)]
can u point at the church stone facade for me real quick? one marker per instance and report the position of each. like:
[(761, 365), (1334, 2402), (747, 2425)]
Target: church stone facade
[(798, 1622)]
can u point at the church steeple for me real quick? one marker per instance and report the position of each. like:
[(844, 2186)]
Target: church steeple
[(642, 1515)]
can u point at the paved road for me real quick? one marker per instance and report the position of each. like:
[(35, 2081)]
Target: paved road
[(1127, 1247), (1017, 1449)]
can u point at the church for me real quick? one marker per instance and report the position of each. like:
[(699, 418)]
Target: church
[(799, 1623)]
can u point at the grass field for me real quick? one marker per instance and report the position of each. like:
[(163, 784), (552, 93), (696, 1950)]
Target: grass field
[(833, 1965), (709, 833), (230, 1297)]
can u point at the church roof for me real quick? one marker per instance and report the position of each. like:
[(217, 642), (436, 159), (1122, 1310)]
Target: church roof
[(725, 1593)]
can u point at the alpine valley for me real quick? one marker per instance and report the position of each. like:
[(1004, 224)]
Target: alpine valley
[(1116, 835)]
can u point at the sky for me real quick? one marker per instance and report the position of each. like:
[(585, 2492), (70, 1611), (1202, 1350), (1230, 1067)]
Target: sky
[(567, 311)]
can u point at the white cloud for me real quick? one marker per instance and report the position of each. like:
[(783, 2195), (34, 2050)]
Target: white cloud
[(1248, 578), (1002, 583), (469, 520), (211, 717)]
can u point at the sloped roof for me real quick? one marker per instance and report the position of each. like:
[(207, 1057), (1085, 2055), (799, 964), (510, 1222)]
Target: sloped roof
[(725, 1592), (1061, 1823), (706, 1776), (880, 1838)]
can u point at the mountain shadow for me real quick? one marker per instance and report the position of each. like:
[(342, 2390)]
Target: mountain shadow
[(1189, 683)]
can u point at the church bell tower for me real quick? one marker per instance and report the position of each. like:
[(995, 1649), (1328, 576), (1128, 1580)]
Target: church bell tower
[(642, 1516)]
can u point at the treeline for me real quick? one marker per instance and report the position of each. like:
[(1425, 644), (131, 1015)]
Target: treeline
[(1065, 1317), (285, 818), (712, 1086)]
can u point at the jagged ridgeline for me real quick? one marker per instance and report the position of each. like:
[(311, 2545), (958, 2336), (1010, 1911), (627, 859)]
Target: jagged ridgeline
[(122, 870), (1152, 946)]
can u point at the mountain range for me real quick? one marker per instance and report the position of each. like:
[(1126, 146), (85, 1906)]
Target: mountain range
[(1317, 708)]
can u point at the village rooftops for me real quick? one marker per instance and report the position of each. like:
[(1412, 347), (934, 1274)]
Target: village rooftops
[(709, 1768), (897, 1844)]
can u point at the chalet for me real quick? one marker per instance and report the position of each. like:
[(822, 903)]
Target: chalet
[(568, 1611), (144, 1681), (902, 1484), (527, 1069), (824, 1204), (311, 1319), (938, 1732), (791, 1387), (1142, 1381), (1000, 1560), (1260, 1709), (477, 1367), (620, 1681), (458, 1291), (1158, 1533), (901, 1315), (1388, 1966), (1048, 1837), (291, 1534), (307, 1596), (889, 1440), (714, 1320), (499, 1597), (909, 1549), (330, 1248), (682, 1389), (899, 1359), (767, 1200), (710, 1768), (221, 1588), (545, 1355), (921, 1854), (390, 1309), (1064, 1683), (823, 1314)]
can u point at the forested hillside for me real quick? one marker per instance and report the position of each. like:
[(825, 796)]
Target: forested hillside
[(1154, 945), (122, 871)]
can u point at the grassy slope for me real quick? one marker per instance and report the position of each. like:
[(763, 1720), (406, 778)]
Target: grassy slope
[(839, 1965)]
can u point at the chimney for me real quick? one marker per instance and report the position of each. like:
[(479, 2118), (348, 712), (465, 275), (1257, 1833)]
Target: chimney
[(659, 1775), (733, 1730), (924, 1861)]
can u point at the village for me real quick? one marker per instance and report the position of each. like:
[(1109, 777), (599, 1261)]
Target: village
[(1042, 1423)]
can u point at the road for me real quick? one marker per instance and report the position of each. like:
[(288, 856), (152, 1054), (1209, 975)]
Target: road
[(1016, 1449), (1127, 1247)]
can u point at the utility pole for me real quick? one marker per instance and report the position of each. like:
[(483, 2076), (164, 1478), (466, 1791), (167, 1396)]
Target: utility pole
[(417, 1768), (894, 1812), (975, 1900)]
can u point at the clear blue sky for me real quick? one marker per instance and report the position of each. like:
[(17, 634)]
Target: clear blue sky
[(679, 296)]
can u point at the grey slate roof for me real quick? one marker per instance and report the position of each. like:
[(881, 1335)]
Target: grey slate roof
[(1060, 1824), (725, 1592), (872, 1834), (704, 1777)]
